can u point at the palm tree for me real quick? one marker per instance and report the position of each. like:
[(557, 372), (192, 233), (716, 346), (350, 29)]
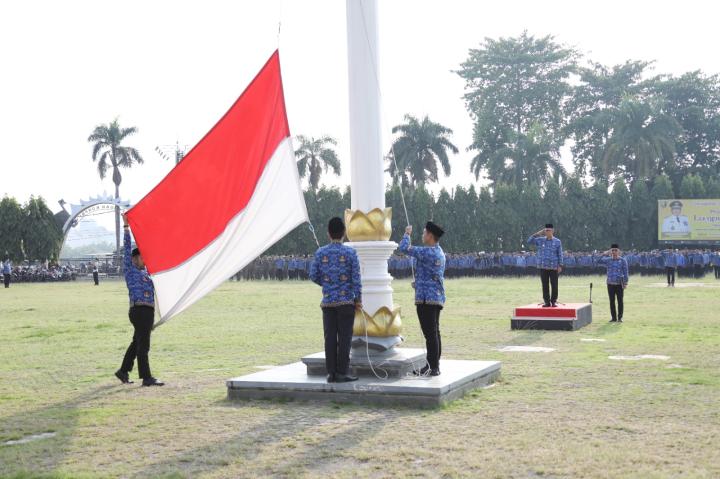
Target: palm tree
[(314, 157), (109, 153), (521, 159), (642, 140), (418, 150)]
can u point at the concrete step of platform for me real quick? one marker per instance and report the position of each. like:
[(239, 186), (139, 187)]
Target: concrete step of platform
[(395, 363), (291, 382)]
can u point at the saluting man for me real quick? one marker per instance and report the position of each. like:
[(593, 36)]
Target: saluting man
[(336, 268), (549, 262), (142, 314), (429, 290), (617, 280)]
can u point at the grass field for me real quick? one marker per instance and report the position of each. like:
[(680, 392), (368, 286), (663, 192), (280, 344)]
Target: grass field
[(564, 414)]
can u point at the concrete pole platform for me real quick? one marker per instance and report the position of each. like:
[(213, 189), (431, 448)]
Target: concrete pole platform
[(291, 382), (395, 363)]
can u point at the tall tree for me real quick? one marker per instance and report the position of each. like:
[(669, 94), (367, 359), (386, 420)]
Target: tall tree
[(599, 231), (692, 187), (600, 90), (11, 229), (42, 238), (507, 197), (418, 150), (443, 215), (693, 99), (619, 224), (529, 161), (109, 152), (315, 155), (421, 204), (578, 215), (713, 188), (642, 218), (642, 140), (487, 221), (662, 190), (513, 86)]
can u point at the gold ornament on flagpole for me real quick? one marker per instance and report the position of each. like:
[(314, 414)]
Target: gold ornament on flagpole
[(373, 226), (384, 323)]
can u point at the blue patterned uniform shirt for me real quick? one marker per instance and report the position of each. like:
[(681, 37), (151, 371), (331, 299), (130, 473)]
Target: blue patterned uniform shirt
[(617, 269), (429, 275), (140, 286), (549, 252), (336, 268)]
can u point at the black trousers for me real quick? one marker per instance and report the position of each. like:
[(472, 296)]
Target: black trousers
[(429, 316), (338, 326), (142, 318), (717, 272), (549, 277), (96, 278), (616, 291), (670, 271), (6, 279)]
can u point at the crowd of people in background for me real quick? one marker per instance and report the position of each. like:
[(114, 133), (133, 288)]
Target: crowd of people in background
[(694, 263), (42, 272), (38, 273)]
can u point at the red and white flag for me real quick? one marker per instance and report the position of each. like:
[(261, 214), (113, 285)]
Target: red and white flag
[(232, 196)]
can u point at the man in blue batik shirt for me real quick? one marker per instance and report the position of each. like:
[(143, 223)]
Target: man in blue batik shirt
[(549, 262), (617, 280), (336, 268), (142, 314), (7, 272), (429, 290)]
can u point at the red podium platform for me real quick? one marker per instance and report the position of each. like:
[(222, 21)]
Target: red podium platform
[(564, 317)]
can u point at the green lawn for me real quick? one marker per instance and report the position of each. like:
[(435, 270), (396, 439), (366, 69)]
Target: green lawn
[(565, 414)]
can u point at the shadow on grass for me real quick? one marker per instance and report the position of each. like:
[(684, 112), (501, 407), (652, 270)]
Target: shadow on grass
[(527, 337), (609, 328), (29, 459), (292, 426)]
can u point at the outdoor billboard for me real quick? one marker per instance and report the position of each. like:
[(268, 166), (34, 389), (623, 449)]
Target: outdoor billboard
[(689, 221)]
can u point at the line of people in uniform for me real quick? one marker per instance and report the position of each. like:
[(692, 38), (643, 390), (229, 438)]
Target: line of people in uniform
[(692, 263)]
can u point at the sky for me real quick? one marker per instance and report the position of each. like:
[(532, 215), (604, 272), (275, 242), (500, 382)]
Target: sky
[(172, 68)]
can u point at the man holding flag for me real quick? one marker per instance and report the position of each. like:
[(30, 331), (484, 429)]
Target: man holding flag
[(233, 196), (142, 314)]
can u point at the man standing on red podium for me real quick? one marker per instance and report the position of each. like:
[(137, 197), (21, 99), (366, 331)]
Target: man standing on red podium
[(549, 261)]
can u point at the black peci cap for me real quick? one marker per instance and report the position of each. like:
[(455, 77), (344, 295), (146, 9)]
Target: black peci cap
[(135, 252), (549, 225), (336, 228), (676, 204), (614, 246), (436, 230)]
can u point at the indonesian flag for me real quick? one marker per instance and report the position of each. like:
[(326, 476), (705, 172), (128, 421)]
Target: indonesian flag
[(233, 196)]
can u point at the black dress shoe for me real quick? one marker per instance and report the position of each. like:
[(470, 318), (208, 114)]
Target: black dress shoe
[(345, 378), (435, 372), (620, 320), (152, 382), (331, 378), (123, 377), (546, 305), (554, 305), (422, 371)]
